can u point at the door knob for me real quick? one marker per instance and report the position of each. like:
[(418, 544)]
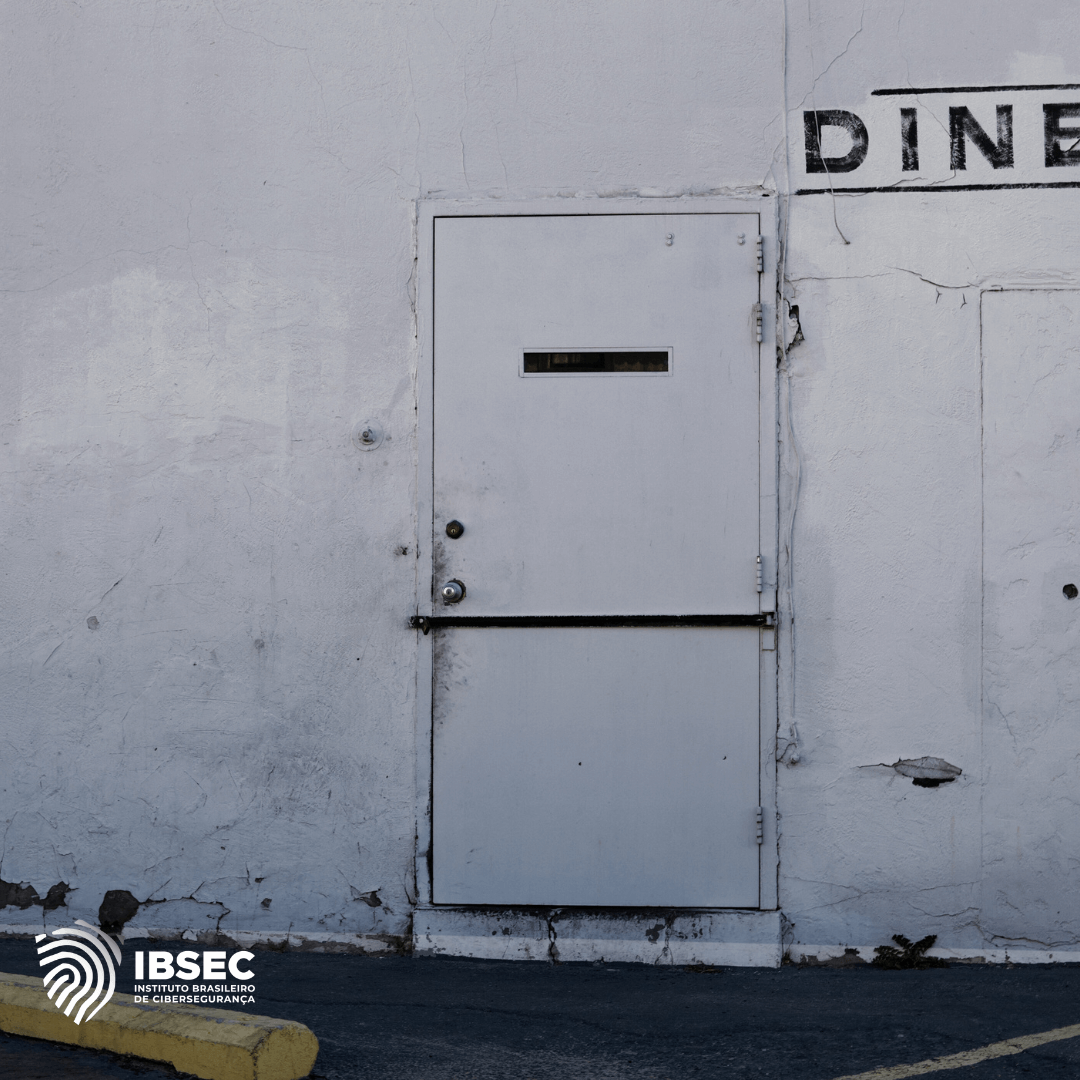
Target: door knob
[(453, 592)]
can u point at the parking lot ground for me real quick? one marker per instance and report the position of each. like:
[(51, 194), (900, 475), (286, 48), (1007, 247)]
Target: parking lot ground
[(446, 1018)]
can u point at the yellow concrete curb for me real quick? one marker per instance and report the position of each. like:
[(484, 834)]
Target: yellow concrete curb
[(216, 1044)]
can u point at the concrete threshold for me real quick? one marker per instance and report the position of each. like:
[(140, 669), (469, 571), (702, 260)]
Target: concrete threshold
[(724, 938), (215, 1044)]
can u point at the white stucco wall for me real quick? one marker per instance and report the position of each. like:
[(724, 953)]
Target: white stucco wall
[(885, 396), (208, 280)]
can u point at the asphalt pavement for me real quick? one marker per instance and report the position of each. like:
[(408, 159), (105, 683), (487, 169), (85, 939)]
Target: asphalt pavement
[(444, 1018)]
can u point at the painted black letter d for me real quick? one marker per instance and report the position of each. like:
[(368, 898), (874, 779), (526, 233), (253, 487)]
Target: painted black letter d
[(813, 122)]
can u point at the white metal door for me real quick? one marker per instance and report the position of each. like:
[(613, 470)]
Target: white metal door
[(596, 436), (1031, 610)]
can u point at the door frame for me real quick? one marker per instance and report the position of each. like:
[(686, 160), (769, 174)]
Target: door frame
[(427, 210)]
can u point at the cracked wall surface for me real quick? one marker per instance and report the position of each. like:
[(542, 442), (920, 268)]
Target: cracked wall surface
[(207, 684), (898, 647)]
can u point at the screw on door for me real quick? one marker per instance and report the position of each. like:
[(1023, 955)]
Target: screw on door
[(453, 592)]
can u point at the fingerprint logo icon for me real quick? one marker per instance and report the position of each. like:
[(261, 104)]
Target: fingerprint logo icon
[(82, 969)]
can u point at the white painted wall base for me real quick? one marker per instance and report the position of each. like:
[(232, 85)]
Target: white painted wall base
[(293, 942), (729, 938), (724, 938), (802, 953)]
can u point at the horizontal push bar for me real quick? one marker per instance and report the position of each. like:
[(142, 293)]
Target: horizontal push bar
[(440, 622)]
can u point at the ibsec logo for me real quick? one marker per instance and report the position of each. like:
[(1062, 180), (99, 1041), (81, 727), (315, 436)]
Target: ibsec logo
[(82, 969), (189, 978)]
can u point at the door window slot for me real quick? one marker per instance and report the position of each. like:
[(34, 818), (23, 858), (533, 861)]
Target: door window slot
[(598, 362)]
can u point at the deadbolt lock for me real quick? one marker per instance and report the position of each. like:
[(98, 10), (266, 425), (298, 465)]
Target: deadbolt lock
[(453, 592), (454, 529)]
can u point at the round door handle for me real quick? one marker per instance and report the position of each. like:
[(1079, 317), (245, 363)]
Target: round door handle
[(453, 592)]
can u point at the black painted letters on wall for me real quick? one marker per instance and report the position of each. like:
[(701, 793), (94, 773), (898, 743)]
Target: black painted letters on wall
[(962, 123), (813, 122), (1061, 138), (909, 139), (1062, 143)]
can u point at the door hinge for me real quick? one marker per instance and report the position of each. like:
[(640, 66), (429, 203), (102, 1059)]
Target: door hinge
[(760, 248), (759, 584), (757, 321), (760, 824)]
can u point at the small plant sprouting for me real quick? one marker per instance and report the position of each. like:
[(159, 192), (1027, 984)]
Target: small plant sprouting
[(908, 955)]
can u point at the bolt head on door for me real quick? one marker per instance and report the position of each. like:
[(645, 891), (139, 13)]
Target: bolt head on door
[(453, 592), (367, 435)]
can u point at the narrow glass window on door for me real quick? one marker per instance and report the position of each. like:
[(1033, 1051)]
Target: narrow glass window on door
[(595, 362)]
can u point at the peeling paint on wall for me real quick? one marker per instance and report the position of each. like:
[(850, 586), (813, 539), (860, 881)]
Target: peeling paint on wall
[(23, 896)]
